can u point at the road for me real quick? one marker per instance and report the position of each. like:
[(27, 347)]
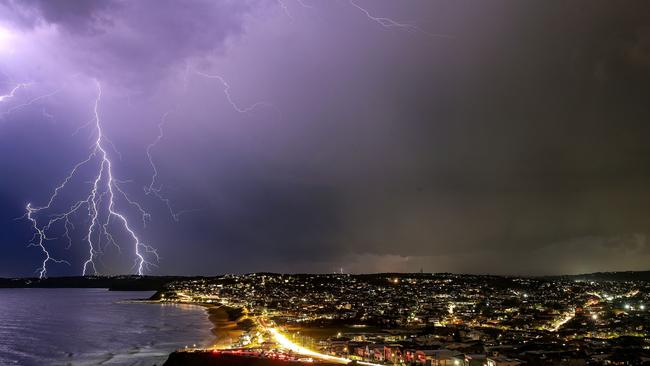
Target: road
[(285, 342)]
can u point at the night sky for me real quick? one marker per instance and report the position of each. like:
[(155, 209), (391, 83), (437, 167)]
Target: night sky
[(506, 137)]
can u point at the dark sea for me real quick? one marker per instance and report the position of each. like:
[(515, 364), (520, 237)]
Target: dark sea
[(94, 327)]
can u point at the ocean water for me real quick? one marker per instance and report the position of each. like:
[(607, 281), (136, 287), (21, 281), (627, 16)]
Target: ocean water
[(94, 327)]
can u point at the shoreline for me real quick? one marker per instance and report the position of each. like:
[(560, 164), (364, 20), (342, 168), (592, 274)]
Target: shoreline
[(224, 330)]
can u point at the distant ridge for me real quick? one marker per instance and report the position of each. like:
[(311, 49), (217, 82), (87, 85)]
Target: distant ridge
[(613, 276), (155, 283), (114, 283)]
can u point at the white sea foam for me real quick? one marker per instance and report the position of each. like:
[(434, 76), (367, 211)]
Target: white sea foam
[(93, 327)]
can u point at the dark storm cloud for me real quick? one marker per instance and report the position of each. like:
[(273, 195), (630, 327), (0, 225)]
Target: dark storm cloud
[(504, 140), (517, 145), (133, 42), (74, 16), (524, 145)]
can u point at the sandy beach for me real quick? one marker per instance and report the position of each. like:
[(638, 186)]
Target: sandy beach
[(224, 329)]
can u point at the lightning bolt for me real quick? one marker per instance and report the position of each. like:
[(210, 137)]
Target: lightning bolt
[(153, 187), (285, 9), (390, 23), (304, 5), (383, 21), (12, 95), (105, 191), (29, 102), (100, 204), (229, 98), (38, 240), (12, 92)]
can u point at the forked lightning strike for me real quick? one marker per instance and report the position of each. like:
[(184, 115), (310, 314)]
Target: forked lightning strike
[(154, 188), (390, 23), (383, 21), (285, 9), (226, 92), (12, 95), (12, 92), (104, 192), (101, 213)]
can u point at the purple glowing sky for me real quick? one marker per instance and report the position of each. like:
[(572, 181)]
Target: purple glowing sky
[(500, 136)]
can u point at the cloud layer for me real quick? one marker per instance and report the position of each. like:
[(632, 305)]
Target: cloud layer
[(514, 144)]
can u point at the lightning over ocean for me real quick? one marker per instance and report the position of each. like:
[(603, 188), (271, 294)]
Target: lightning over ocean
[(99, 203), (145, 138), (92, 214), (324, 182)]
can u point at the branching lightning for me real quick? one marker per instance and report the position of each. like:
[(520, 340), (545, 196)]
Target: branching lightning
[(382, 21), (390, 23), (104, 192), (12, 95), (29, 102), (39, 239), (226, 92), (12, 92), (155, 188), (100, 204), (304, 5), (285, 9)]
